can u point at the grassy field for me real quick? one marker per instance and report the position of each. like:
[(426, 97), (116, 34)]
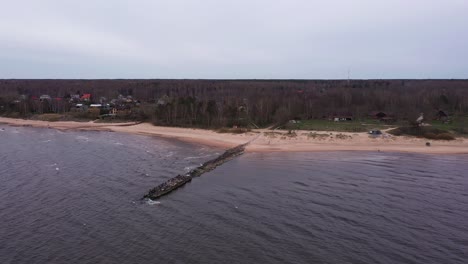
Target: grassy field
[(457, 126), (342, 126)]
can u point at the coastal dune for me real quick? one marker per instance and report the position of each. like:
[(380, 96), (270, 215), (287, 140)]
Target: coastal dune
[(263, 140)]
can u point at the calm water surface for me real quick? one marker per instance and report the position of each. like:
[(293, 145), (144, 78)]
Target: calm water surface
[(73, 197)]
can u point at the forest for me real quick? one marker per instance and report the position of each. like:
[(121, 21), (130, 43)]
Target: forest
[(227, 103)]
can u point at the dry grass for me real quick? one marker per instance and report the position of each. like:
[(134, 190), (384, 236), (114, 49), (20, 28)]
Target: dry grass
[(343, 136), (315, 135)]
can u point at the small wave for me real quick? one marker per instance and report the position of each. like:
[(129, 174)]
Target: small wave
[(45, 141), (151, 202)]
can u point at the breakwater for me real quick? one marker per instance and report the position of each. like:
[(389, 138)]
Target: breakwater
[(180, 180)]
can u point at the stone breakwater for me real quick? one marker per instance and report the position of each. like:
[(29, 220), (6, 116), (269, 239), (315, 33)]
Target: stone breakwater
[(180, 180)]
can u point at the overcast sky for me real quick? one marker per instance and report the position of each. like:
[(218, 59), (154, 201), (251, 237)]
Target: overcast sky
[(305, 39)]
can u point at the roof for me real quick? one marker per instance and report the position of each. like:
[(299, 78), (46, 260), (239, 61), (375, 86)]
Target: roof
[(86, 96)]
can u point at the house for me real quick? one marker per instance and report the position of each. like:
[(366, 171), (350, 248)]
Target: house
[(383, 116), (378, 114), (129, 99), (45, 97), (86, 97)]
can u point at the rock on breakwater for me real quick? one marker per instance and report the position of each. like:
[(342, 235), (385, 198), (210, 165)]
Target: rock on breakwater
[(180, 180)]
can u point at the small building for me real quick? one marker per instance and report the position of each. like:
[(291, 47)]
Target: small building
[(342, 117), (86, 97), (45, 97), (79, 108), (383, 116), (378, 115)]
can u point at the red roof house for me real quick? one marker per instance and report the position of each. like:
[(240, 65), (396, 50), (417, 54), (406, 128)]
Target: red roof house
[(86, 97)]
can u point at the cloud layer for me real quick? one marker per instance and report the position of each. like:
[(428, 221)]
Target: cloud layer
[(234, 39)]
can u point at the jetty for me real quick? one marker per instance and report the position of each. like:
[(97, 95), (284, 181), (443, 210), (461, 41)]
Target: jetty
[(180, 180)]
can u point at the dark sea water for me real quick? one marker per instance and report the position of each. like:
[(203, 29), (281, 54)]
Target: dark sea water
[(73, 197)]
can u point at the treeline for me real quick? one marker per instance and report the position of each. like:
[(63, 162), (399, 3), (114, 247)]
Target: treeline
[(215, 103)]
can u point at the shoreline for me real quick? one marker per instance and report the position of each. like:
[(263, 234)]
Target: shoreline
[(264, 140)]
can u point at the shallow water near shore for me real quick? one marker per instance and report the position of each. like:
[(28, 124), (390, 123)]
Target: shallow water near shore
[(73, 197)]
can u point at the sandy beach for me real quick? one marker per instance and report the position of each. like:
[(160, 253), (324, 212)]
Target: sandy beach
[(263, 140)]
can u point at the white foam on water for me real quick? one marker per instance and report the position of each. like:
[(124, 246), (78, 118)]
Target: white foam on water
[(151, 202), (189, 168)]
